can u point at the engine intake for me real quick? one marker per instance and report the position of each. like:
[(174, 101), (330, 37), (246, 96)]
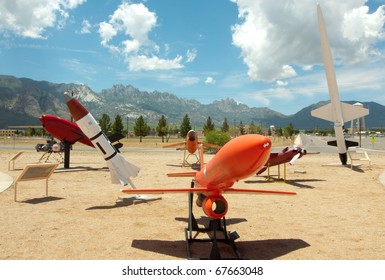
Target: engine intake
[(215, 207)]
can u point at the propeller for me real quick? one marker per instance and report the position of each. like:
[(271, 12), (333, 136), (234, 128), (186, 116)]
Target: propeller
[(299, 145), (294, 159)]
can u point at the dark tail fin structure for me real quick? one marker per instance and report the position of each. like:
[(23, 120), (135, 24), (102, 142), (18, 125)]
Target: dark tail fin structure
[(347, 142), (116, 137)]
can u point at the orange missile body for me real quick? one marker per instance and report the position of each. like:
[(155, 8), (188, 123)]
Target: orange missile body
[(237, 160), (192, 141), (240, 158)]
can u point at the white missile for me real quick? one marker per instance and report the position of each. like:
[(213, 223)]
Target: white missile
[(120, 169), (335, 111)]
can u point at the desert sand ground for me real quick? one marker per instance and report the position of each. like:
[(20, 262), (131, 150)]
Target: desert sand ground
[(338, 212)]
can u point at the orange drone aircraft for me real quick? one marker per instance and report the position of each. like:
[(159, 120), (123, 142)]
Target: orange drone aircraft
[(240, 158), (191, 145)]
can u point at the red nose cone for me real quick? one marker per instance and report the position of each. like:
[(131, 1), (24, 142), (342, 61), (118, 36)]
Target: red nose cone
[(41, 119)]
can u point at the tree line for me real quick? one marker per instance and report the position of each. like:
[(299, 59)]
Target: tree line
[(213, 135)]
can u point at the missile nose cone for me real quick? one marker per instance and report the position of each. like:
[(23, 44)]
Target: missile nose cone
[(67, 97), (41, 119), (77, 110)]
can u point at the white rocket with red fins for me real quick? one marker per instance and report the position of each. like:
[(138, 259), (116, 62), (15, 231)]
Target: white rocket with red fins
[(120, 169)]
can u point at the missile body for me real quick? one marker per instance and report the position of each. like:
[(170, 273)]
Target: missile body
[(336, 111), (120, 169), (332, 84), (64, 130)]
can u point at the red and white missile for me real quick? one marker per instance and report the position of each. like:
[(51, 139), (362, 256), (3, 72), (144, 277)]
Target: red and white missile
[(120, 169)]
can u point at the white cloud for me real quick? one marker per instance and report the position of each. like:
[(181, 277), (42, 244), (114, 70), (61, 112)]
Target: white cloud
[(307, 67), (134, 20), (275, 38), (107, 32), (354, 83), (86, 27), (210, 81), (282, 83), (31, 18), (191, 55), (141, 62), (187, 81), (133, 23), (175, 78), (131, 46)]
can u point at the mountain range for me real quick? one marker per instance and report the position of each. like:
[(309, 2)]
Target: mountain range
[(23, 101)]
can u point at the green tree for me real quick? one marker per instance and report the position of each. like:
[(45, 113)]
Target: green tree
[(31, 131), (255, 129), (117, 126), (252, 128), (185, 126), (242, 129), (105, 123), (279, 132), (162, 128), (141, 128), (217, 137), (225, 126), (209, 126), (288, 130)]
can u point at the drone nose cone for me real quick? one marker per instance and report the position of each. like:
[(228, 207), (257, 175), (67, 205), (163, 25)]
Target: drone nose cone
[(256, 151), (236, 160), (192, 135), (251, 144)]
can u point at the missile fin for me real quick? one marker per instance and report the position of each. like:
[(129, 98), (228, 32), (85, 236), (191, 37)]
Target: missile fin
[(348, 143), (351, 143), (118, 146), (332, 143), (132, 169), (325, 112), (114, 177), (120, 174), (115, 137), (351, 112)]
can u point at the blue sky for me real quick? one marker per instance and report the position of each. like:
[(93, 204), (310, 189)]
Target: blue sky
[(260, 53)]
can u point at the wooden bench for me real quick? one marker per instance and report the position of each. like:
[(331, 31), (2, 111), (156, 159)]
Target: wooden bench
[(359, 155)]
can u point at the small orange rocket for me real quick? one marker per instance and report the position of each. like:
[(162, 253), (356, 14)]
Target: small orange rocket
[(191, 145)]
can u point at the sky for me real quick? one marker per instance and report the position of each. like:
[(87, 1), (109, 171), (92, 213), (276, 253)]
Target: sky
[(258, 52)]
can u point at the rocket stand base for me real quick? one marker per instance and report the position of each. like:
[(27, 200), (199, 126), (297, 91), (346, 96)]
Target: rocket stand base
[(217, 234)]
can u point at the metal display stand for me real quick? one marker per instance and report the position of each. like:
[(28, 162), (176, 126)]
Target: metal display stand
[(216, 231)]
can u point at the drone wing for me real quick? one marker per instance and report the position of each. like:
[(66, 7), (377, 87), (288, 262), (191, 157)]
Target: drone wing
[(174, 145)]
